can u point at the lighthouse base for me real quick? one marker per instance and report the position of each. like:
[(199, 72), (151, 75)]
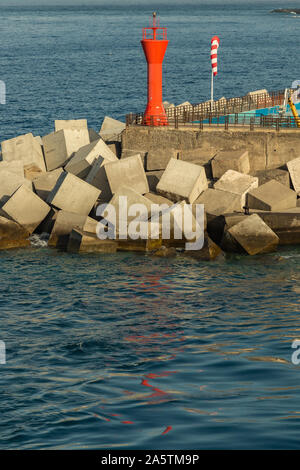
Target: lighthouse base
[(155, 116)]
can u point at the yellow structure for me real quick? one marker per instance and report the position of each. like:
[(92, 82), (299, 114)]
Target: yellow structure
[(294, 111)]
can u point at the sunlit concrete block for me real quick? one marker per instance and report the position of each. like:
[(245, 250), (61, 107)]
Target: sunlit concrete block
[(73, 194), (127, 172), (60, 146), (45, 183), (15, 166), (82, 161), (230, 160), (24, 148), (237, 183), (70, 124), (65, 222), (294, 171), (272, 196), (182, 180), (12, 235), (85, 242), (254, 235), (26, 208)]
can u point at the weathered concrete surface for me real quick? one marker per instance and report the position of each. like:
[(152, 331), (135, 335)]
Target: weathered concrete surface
[(80, 164), (9, 183), (55, 150), (159, 160), (111, 128), (182, 180), (230, 160), (286, 225), (26, 208), (15, 166), (70, 124), (32, 171), (122, 207), (44, 184), (266, 148), (73, 194), (219, 202), (93, 135), (272, 196), (65, 222), (12, 235), (294, 171), (97, 177), (237, 183), (282, 176), (254, 236), (156, 199), (127, 172), (153, 178), (86, 242), (165, 252), (199, 157), (61, 145), (209, 252), (24, 148), (152, 243), (116, 149)]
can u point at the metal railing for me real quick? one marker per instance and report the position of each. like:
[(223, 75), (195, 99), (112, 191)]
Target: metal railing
[(181, 115), (217, 120)]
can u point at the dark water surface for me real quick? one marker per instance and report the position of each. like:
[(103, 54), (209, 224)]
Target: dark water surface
[(128, 351)]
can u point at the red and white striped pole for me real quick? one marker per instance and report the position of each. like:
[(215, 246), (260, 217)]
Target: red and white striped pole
[(215, 43)]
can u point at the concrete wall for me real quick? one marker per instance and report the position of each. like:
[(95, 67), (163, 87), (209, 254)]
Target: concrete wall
[(267, 148)]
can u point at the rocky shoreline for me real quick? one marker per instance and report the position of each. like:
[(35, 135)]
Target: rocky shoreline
[(52, 186)]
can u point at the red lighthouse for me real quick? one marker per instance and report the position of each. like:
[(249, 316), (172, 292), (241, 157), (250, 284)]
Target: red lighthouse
[(155, 45)]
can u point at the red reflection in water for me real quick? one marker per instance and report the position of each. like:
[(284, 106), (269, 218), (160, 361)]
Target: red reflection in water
[(164, 374), (168, 429), (127, 422)]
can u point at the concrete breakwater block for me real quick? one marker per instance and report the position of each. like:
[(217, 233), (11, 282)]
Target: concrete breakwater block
[(219, 202), (198, 156), (10, 182), (158, 160), (294, 171), (26, 208), (237, 160), (254, 236), (285, 224), (156, 199), (12, 235), (272, 196), (93, 135), (282, 176), (86, 242), (153, 178), (97, 177), (182, 180), (59, 146), (209, 252), (237, 183), (24, 148), (65, 222), (80, 164), (15, 166), (45, 183), (73, 195), (122, 207), (111, 128), (60, 124), (127, 172)]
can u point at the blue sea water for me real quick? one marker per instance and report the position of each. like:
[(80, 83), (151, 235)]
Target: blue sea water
[(128, 351)]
